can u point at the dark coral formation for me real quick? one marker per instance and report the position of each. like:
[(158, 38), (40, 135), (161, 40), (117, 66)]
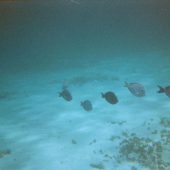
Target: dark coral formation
[(144, 151)]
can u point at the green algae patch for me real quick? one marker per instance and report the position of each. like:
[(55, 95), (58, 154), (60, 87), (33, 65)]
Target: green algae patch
[(4, 153), (99, 166), (165, 122)]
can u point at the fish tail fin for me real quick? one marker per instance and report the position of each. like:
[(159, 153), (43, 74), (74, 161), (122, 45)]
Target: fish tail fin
[(126, 84), (59, 94), (161, 89), (102, 94)]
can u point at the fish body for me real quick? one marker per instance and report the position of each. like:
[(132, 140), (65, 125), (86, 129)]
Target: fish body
[(136, 89), (87, 105), (65, 93), (110, 97)]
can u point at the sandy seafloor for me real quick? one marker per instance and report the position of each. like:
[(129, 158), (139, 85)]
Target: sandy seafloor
[(95, 48), (44, 131)]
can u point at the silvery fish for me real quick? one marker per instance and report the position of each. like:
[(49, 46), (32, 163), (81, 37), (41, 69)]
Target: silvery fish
[(136, 89)]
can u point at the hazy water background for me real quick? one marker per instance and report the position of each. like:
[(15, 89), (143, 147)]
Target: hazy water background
[(91, 44), (61, 34)]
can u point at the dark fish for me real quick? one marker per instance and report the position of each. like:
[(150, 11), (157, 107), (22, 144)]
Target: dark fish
[(136, 89), (66, 95), (165, 90), (110, 97), (86, 105)]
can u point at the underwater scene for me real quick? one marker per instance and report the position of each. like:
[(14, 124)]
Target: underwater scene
[(84, 85)]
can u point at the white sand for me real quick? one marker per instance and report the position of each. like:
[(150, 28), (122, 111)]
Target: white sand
[(40, 128)]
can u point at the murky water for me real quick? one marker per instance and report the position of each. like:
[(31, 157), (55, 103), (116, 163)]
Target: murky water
[(92, 47)]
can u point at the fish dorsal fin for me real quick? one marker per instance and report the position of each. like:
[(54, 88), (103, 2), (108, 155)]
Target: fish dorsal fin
[(65, 85)]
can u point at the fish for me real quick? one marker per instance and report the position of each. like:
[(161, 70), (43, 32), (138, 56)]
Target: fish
[(110, 97), (87, 105), (136, 89), (65, 93), (165, 90)]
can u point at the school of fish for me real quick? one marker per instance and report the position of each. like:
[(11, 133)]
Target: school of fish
[(135, 89)]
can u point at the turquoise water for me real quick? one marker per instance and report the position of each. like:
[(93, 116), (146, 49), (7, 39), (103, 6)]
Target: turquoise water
[(93, 46)]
